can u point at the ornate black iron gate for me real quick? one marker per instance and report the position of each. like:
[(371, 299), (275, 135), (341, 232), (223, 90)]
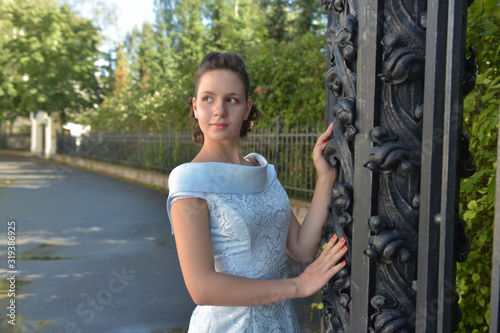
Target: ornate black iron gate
[(395, 85)]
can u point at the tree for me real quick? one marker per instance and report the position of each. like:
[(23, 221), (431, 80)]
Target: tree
[(103, 13), (121, 73), (49, 63), (306, 17), (288, 79), (276, 18), (236, 25)]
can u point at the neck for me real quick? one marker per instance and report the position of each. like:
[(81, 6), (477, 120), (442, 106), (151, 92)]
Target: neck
[(224, 152)]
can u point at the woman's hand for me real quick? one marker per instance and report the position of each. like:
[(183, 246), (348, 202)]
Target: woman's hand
[(320, 271), (324, 169)]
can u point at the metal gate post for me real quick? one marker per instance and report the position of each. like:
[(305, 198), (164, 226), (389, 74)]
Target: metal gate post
[(396, 80)]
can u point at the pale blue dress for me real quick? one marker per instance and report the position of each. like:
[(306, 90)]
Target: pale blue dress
[(249, 215)]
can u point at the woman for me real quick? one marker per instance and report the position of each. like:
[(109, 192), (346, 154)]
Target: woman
[(231, 217)]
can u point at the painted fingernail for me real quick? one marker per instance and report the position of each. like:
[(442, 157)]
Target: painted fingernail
[(325, 142), (343, 262), (334, 236), (342, 240), (344, 248)]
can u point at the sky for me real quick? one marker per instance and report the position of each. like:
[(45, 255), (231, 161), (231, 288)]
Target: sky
[(131, 13)]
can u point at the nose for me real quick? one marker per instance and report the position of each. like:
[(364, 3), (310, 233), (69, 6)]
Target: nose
[(219, 109)]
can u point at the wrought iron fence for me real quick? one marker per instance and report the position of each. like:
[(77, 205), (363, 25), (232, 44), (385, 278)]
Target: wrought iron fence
[(15, 141), (289, 149), (154, 151)]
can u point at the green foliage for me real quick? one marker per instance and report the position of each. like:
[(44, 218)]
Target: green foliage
[(481, 110), (48, 59), (288, 79), (287, 71)]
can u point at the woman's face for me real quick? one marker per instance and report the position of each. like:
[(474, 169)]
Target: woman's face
[(220, 105)]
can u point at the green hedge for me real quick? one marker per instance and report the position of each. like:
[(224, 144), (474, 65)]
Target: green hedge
[(481, 109)]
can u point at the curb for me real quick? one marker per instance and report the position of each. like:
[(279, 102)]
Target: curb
[(144, 177)]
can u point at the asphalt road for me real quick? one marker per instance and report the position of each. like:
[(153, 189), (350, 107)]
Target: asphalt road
[(93, 254)]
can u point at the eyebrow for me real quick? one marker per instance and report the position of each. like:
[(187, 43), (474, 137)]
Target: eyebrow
[(212, 93)]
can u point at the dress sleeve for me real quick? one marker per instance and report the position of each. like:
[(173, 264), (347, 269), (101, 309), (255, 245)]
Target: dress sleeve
[(187, 195)]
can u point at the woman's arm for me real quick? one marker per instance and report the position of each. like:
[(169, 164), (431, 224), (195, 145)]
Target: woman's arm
[(303, 240), (208, 287)]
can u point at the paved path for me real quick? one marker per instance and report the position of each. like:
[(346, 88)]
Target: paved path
[(93, 254)]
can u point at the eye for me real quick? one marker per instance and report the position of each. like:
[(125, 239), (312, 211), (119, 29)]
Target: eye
[(207, 99), (232, 100)]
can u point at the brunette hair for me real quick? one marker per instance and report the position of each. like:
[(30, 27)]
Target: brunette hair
[(227, 61)]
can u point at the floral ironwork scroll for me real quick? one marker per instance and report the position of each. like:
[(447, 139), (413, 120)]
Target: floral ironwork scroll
[(394, 160), (341, 81)]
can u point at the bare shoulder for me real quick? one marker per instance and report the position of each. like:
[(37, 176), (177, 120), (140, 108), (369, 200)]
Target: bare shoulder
[(189, 207)]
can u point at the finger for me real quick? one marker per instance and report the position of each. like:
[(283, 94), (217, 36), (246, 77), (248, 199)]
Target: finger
[(333, 270), (326, 253), (336, 259), (329, 245), (338, 245), (336, 252), (326, 135), (337, 268)]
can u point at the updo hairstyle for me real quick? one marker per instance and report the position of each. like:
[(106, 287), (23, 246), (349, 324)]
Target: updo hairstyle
[(223, 61)]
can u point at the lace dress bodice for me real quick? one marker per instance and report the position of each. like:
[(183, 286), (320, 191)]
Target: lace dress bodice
[(248, 233)]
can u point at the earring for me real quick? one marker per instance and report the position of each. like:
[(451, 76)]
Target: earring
[(193, 105)]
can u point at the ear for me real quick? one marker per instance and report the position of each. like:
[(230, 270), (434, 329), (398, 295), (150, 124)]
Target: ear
[(195, 110), (249, 108)]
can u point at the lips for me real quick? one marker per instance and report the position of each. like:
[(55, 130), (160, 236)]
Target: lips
[(219, 125)]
